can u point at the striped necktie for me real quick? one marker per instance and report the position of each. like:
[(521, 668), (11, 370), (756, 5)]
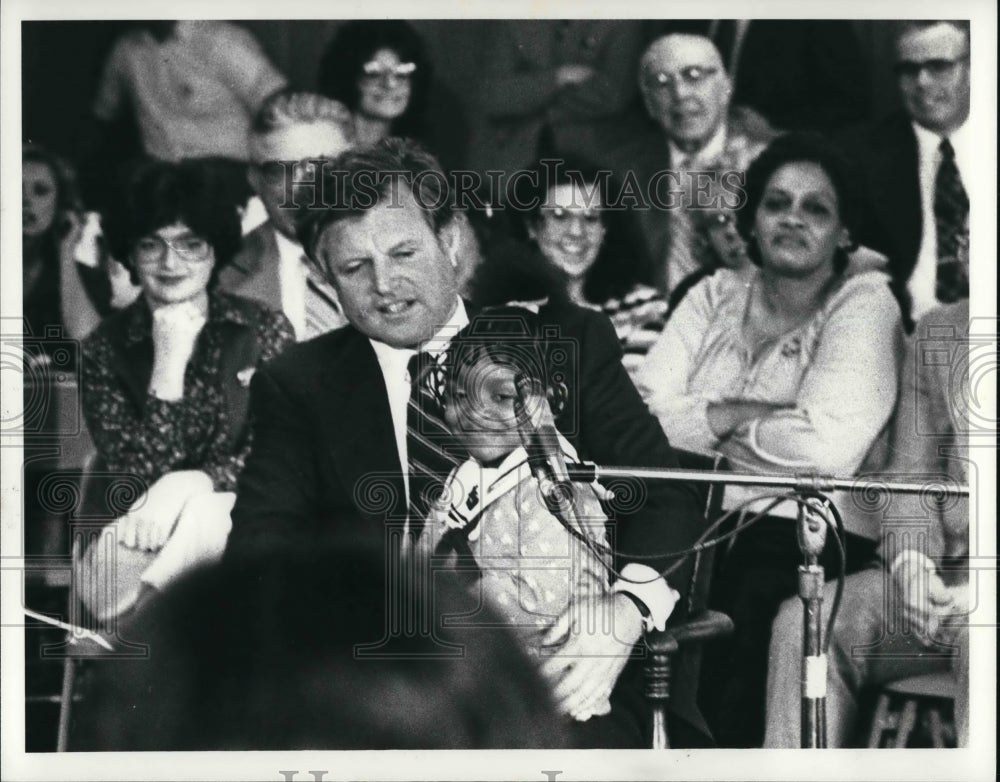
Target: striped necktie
[(682, 258), (951, 218), (428, 461)]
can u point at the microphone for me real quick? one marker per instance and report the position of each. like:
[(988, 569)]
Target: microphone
[(541, 442)]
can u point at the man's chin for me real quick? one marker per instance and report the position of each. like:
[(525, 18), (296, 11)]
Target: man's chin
[(408, 334)]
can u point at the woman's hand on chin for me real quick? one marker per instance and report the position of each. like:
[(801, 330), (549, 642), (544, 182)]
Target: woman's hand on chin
[(175, 330)]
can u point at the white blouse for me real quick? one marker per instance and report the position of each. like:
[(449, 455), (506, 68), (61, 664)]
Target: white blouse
[(838, 372)]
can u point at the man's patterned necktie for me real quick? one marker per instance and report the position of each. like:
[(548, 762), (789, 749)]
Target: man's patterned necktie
[(951, 217), (427, 459), (682, 257)]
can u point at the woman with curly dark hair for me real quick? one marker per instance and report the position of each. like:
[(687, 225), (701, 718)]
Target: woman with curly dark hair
[(789, 365), (166, 380), (379, 69)]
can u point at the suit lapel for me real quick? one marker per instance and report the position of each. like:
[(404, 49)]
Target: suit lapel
[(897, 199), (135, 368), (268, 279), (255, 272), (359, 427), (133, 358)]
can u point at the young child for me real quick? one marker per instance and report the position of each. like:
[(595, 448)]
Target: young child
[(532, 567)]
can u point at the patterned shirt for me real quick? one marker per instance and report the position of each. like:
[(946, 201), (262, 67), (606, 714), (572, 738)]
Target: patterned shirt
[(150, 437), (532, 567), (638, 318), (194, 94)]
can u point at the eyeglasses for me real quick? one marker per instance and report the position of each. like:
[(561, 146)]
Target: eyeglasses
[(153, 249), (692, 76), (937, 67), (718, 219), (377, 70), (559, 216), (274, 171)]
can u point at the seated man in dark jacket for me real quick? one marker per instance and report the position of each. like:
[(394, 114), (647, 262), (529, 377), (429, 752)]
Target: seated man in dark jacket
[(344, 445)]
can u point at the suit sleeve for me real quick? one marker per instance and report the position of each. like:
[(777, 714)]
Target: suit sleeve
[(277, 494), (618, 430), (614, 84), (507, 89)]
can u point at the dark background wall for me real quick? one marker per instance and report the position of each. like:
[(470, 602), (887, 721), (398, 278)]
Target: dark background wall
[(62, 63)]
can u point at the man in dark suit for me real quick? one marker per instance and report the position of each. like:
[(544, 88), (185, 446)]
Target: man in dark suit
[(902, 158), (271, 266), (688, 95), (333, 442)]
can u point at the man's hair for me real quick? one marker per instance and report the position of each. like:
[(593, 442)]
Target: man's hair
[(359, 180), (904, 26), (657, 43), (196, 192), (286, 107)]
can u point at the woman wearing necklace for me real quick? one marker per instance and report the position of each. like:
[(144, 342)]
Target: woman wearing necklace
[(789, 366)]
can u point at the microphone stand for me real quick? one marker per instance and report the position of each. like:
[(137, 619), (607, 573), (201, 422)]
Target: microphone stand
[(812, 525), (813, 518)]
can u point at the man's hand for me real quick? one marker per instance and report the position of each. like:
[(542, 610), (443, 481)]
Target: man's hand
[(151, 519), (924, 596), (591, 653)]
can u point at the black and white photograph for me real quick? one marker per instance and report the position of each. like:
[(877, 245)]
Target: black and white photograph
[(551, 391)]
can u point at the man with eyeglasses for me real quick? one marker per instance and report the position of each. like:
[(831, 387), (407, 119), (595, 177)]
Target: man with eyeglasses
[(290, 133), (687, 94), (916, 165)]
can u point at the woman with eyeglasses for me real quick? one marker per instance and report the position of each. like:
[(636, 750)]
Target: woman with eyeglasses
[(379, 69), (790, 366), (166, 380), (572, 246)]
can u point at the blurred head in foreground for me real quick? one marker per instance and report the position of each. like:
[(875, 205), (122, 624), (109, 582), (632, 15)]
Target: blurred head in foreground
[(294, 652)]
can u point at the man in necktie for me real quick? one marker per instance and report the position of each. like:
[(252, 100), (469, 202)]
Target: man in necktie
[(339, 451), (932, 64), (290, 130), (687, 94), (916, 164)]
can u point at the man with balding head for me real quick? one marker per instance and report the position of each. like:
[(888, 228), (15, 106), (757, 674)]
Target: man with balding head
[(687, 94), (290, 130)]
